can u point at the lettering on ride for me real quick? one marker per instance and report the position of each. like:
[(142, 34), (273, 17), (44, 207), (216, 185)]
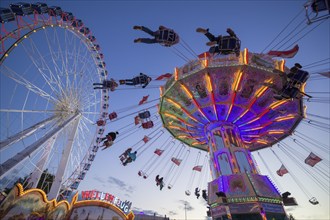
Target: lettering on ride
[(125, 206)]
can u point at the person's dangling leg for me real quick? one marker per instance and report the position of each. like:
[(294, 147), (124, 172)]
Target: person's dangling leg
[(210, 36), (146, 40), (129, 82), (148, 31)]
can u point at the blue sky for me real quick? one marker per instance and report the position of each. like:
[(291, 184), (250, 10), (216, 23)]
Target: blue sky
[(256, 23)]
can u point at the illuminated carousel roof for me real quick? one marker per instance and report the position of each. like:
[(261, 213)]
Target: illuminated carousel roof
[(229, 90)]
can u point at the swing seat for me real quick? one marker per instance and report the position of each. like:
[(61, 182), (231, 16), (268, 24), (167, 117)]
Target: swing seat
[(227, 45), (112, 115), (144, 115), (313, 201), (300, 77), (290, 201), (290, 92), (167, 38), (147, 125), (319, 5)]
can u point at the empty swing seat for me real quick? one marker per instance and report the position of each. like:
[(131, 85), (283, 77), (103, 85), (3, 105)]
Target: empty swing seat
[(148, 124), (112, 115), (313, 201)]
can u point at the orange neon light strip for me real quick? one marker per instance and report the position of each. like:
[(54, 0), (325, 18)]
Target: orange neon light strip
[(210, 89), (272, 106), (173, 103), (189, 94), (176, 73), (255, 119), (262, 142), (246, 56), (180, 128), (161, 91), (208, 83), (277, 104), (302, 88), (257, 94), (248, 109), (262, 89), (231, 105), (275, 132), (179, 119), (282, 65), (284, 118), (260, 127), (206, 62), (186, 91), (236, 84), (183, 109), (238, 81)]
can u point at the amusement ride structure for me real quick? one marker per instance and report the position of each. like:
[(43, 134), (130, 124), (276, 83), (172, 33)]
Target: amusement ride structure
[(47, 112), (222, 105), (226, 105)]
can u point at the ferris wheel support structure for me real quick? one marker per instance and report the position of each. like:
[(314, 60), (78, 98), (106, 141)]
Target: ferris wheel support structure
[(64, 160), (23, 134), (13, 162), (40, 167)]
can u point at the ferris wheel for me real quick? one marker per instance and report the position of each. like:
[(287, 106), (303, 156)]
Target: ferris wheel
[(49, 61)]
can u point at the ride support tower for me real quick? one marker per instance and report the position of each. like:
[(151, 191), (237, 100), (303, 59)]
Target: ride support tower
[(225, 105)]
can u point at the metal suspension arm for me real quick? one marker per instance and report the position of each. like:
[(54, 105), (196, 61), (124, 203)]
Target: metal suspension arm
[(25, 133), (11, 163)]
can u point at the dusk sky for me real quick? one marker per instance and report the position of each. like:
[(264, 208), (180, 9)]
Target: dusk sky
[(256, 23)]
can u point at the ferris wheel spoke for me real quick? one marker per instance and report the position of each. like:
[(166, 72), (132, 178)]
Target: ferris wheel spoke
[(19, 79), (41, 65), (91, 113), (89, 105), (27, 111), (54, 57), (90, 121)]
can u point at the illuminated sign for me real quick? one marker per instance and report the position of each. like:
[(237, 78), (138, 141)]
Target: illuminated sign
[(107, 197)]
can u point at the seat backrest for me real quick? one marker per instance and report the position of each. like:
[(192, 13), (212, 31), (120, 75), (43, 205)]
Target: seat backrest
[(300, 76)]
